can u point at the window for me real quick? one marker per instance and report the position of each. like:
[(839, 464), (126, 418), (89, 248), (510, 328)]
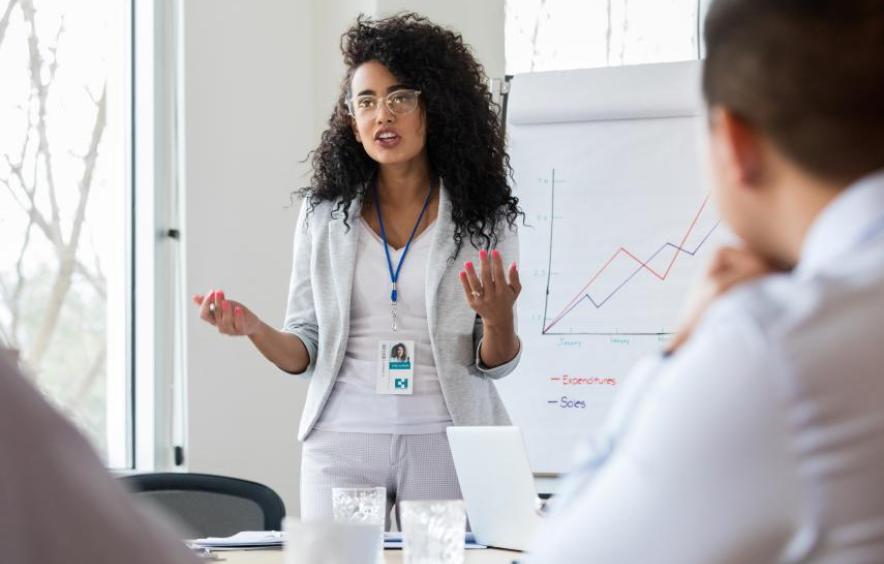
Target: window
[(65, 208), (544, 35)]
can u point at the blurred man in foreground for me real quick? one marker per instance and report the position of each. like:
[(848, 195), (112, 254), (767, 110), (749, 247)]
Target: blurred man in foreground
[(58, 504)]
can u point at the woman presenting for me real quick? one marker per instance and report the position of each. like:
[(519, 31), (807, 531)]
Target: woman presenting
[(397, 342)]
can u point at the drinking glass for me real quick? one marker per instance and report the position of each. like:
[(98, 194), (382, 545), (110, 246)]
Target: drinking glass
[(433, 531), (362, 506), (320, 542)]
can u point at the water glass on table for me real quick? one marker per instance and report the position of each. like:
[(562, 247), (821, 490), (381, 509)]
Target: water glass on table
[(363, 506), (323, 542), (433, 531)]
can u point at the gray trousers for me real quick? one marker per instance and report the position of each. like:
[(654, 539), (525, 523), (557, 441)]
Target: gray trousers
[(409, 466)]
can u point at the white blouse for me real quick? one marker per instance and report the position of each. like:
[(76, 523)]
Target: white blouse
[(353, 405)]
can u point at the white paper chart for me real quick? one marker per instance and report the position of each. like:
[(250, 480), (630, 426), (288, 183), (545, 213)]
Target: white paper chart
[(619, 222)]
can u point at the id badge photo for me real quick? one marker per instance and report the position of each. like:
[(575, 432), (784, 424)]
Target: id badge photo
[(395, 367)]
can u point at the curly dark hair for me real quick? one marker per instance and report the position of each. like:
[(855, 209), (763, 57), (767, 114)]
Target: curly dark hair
[(465, 141)]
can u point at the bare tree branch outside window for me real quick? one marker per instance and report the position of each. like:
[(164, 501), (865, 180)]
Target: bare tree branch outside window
[(56, 182)]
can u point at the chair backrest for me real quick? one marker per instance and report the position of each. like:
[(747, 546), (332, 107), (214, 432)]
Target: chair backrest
[(209, 505)]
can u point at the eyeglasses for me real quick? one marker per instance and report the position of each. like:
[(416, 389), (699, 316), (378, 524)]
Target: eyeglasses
[(399, 102)]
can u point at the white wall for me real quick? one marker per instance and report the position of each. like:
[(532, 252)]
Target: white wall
[(248, 111), (260, 80)]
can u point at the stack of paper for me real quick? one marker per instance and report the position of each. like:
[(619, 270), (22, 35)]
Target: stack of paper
[(243, 540), (394, 540), (275, 539)]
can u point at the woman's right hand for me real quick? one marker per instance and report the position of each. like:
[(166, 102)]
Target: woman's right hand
[(230, 317)]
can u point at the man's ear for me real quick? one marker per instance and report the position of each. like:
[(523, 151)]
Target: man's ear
[(738, 147)]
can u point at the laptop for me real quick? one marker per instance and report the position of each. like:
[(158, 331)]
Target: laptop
[(497, 485)]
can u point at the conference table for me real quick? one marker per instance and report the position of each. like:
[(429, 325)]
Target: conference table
[(473, 556)]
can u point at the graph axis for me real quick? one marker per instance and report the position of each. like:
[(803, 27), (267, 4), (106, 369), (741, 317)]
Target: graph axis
[(546, 329)]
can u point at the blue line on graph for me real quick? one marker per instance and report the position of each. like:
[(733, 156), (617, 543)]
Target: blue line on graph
[(677, 248)]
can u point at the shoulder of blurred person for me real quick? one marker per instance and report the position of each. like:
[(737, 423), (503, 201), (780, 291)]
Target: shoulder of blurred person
[(57, 501)]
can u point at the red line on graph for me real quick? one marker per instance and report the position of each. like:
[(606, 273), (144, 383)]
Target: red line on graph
[(644, 265)]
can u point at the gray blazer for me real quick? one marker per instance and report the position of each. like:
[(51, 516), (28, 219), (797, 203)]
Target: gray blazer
[(319, 314)]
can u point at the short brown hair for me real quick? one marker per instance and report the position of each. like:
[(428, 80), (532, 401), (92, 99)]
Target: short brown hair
[(808, 73)]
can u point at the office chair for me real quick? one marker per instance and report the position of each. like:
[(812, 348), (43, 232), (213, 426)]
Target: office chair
[(208, 505)]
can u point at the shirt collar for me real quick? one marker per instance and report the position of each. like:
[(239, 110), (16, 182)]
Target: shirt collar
[(856, 215)]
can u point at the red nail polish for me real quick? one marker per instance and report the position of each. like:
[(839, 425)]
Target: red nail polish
[(238, 310), (469, 264), (483, 254), (496, 253)]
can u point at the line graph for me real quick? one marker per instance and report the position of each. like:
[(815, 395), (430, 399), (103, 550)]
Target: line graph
[(617, 227), (645, 265)]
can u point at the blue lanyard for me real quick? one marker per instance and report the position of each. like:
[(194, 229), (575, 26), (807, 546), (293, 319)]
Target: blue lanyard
[(394, 274)]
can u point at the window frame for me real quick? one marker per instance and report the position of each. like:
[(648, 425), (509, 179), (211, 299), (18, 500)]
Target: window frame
[(157, 357)]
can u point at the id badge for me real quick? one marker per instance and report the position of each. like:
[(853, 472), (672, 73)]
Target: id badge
[(395, 367)]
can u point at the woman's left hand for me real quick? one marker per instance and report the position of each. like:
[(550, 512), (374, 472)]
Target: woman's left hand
[(490, 294)]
